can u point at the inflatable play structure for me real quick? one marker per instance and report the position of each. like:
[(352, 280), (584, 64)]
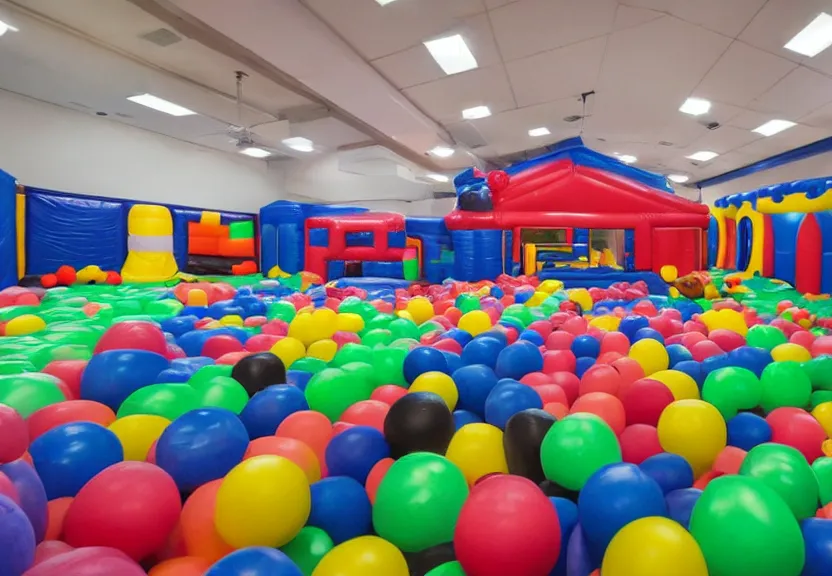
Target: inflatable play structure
[(782, 231), (42, 231), (574, 214)]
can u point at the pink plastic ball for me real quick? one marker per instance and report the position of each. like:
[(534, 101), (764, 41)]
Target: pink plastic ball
[(14, 435), (388, 393), (639, 442), (727, 340), (133, 335)]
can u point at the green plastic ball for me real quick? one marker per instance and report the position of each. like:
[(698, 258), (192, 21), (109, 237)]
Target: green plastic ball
[(576, 447)]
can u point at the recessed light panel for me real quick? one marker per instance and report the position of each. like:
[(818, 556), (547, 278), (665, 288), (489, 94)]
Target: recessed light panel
[(160, 105), (255, 152), (442, 152), (476, 113), (695, 106), (627, 158), (678, 178), (438, 177), (299, 144), (452, 54), (773, 127), (703, 156), (813, 39), (535, 132), (6, 27)]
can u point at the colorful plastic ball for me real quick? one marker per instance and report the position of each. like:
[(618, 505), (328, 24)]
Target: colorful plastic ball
[(474, 383), (517, 360), (677, 353), (582, 365), (670, 471), (651, 547), (267, 409), (747, 430), (731, 389), (784, 470), (464, 417), (258, 371), (48, 549), (263, 501), (753, 359), (639, 442), (601, 378), (138, 433), (799, 429), (308, 548), (766, 337), (475, 322), (182, 566), (367, 413), (694, 430), (68, 456), (680, 504), (201, 446), (477, 450), (585, 346), (132, 335), (822, 467), (576, 447), (130, 506), (388, 393), (790, 353), (312, 428), (817, 534), (507, 526), (644, 401), (363, 556), (423, 359), (55, 415), (482, 350), (682, 385), (438, 383), (341, 508), (255, 561), (355, 451), (17, 539), (89, 561), (784, 383), (295, 450), (333, 390), (31, 495), (651, 355), (418, 502), (197, 524), (745, 529), (113, 375), (524, 435), (605, 406), (506, 399), (419, 422), (15, 437)]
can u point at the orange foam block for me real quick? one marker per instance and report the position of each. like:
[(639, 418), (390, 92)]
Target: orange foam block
[(203, 246), (207, 230), (237, 248)]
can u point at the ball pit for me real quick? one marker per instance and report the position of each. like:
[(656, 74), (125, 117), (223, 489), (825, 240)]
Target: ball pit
[(509, 427)]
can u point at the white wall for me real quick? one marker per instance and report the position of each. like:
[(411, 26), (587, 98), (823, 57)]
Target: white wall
[(815, 167), (46, 146)]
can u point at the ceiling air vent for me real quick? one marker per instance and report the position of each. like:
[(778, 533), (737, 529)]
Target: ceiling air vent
[(161, 37), (665, 143), (572, 118)]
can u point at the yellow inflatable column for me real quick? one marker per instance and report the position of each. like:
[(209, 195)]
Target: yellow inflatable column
[(149, 245)]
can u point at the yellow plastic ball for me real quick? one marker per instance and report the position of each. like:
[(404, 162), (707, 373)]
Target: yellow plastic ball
[(349, 322), (669, 273), (477, 450), (823, 414), (289, 350), (263, 501), (475, 322), (581, 297), (137, 433), (420, 309), (231, 320), (550, 286), (537, 299), (363, 556), (694, 430), (609, 323), (682, 385), (651, 356), (25, 324), (309, 327), (440, 384), (673, 292), (725, 318), (213, 324), (653, 546), (323, 349), (789, 351), (405, 314)]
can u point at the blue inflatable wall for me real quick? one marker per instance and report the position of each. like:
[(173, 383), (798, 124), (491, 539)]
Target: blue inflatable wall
[(436, 242), (477, 254), (8, 231)]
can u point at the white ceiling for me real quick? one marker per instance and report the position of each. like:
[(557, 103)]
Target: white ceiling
[(642, 58)]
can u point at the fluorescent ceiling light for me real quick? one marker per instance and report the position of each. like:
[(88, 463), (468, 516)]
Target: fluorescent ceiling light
[(4, 27), (255, 152), (678, 178), (539, 132), (703, 156), (476, 113), (773, 127), (695, 106), (813, 39), (385, 2), (627, 158), (299, 144), (452, 54), (160, 105), (442, 151), (438, 177)]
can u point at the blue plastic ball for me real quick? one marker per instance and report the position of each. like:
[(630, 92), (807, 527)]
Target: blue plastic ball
[(68, 456), (265, 411), (693, 369), (583, 364), (255, 561), (111, 376), (532, 336), (497, 333), (632, 324), (750, 358), (341, 508), (519, 359), (715, 363), (454, 361), (461, 336), (200, 446), (507, 399), (612, 498), (31, 494), (747, 430), (464, 417), (585, 346), (678, 353), (568, 518), (680, 504), (17, 539), (670, 471), (482, 351), (474, 383), (648, 334), (817, 534), (423, 359), (355, 451)]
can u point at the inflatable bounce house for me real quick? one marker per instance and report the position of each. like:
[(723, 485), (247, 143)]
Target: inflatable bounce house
[(103, 240), (573, 214), (782, 231)]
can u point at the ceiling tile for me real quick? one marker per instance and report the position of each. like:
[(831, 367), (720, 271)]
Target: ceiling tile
[(728, 17), (630, 16), (560, 73), (779, 21), (742, 74), (532, 26), (330, 132), (416, 66), (492, 4), (376, 31), (797, 94), (445, 99), (821, 118), (725, 139), (749, 119)]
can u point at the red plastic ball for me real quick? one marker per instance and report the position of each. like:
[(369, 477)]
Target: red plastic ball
[(639, 442), (600, 378), (133, 335), (727, 340), (130, 506), (220, 345), (615, 342), (69, 371), (535, 379), (605, 406), (388, 393), (644, 401), (93, 561), (550, 393), (704, 350), (507, 526), (54, 415), (629, 369), (559, 361), (262, 342), (14, 438), (49, 280), (797, 428), (569, 383), (367, 413)]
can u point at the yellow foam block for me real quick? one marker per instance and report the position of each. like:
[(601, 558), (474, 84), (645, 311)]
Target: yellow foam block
[(210, 218)]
